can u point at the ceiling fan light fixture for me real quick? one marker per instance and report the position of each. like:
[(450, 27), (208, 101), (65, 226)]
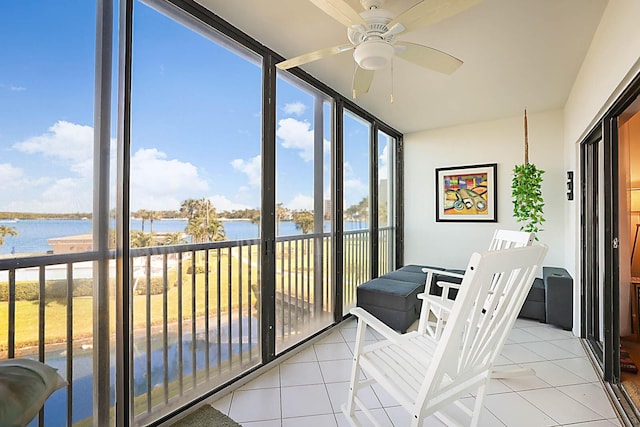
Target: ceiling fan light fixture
[(373, 54)]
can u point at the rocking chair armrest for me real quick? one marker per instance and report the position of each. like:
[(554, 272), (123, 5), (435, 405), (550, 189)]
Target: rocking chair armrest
[(369, 320), (435, 300), (450, 274), (432, 271), (445, 285)]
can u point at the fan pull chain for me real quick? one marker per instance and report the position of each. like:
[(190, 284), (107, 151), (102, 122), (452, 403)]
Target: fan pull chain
[(392, 61)]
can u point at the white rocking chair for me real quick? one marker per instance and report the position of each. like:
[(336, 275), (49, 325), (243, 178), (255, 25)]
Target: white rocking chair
[(438, 307), (428, 375)]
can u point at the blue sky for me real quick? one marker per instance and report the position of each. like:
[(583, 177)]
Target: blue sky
[(195, 117)]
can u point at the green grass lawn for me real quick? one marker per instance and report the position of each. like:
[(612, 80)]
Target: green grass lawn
[(179, 293), (234, 291)]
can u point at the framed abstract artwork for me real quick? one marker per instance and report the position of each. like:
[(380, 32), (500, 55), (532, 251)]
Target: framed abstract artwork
[(466, 193)]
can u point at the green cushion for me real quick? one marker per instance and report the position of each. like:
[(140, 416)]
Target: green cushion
[(25, 385)]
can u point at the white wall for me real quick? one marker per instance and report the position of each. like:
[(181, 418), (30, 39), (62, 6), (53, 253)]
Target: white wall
[(612, 61), (502, 141)]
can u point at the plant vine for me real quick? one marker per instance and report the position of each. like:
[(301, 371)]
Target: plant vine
[(526, 191)]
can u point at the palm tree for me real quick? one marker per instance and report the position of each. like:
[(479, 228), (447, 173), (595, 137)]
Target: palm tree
[(152, 216), (281, 212), (174, 239), (254, 216), (358, 212), (6, 231), (189, 208), (140, 239), (304, 220), (203, 224), (142, 214)]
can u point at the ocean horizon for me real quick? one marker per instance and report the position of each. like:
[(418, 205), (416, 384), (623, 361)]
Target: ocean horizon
[(33, 234)]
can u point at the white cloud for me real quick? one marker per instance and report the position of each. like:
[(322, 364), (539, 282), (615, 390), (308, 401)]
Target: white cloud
[(297, 108), (160, 183), (383, 163), (65, 186), (44, 194), (67, 195), (222, 203), (14, 177), (9, 174), (297, 135), (64, 140), (300, 202), (355, 186), (250, 167), (157, 182), (13, 88)]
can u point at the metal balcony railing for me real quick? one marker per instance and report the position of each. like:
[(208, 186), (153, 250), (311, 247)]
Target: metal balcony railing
[(195, 315)]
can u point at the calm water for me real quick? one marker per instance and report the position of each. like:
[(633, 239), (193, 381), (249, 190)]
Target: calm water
[(56, 405), (33, 234), (32, 238)]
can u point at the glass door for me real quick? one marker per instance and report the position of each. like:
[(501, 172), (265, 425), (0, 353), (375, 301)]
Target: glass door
[(600, 288), (303, 249), (593, 256), (356, 215)]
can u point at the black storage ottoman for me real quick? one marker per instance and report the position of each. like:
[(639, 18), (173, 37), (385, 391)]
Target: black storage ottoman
[(534, 305), (394, 302), (437, 290), (558, 297)]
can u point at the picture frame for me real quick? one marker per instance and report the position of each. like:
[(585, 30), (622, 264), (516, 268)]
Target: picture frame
[(467, 193)]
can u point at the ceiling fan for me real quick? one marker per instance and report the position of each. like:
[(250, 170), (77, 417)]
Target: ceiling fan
[(372, 36)]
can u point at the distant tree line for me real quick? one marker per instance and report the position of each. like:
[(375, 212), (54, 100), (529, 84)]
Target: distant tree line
[(38, 215), (204, 223), (241, 214)]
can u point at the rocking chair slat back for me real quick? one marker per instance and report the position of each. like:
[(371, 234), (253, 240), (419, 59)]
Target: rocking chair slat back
[(492, 292), (427, 374)]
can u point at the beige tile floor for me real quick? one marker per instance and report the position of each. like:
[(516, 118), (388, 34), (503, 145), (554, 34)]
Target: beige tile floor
[(309, 388)]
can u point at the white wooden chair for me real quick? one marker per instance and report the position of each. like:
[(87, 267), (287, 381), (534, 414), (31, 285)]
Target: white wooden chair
[(427, 375), (436, 308)]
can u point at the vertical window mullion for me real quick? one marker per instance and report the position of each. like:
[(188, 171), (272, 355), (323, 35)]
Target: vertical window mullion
[(373, 205), (268, 209)]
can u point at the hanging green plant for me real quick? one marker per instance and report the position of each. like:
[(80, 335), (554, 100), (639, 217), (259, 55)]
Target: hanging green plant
[(526, 191)]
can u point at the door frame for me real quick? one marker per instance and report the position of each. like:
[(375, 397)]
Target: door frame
[(608, 358)]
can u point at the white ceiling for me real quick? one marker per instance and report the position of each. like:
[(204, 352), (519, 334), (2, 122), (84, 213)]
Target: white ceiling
[(517, 54)]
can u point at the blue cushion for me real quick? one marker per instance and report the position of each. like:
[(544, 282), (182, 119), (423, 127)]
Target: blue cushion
[(406, 276), (389, 293), (414, 268)]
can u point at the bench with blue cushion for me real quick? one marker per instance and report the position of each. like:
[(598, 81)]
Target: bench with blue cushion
[(392, 297)]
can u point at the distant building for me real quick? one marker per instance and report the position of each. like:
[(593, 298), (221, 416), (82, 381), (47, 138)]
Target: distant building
[(69, 244), (327, 209)]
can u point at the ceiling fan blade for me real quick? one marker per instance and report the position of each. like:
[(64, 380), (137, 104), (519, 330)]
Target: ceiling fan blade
[(427, 57), (429, 12), (340, 11), (313, 56), (361, 81)]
